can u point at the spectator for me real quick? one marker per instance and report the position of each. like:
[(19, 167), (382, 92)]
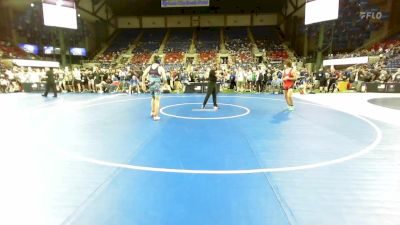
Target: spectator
[(4, 84), (241, 80), (134, 84)]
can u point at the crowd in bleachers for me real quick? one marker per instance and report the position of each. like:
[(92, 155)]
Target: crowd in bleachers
[(178, 45), (108, 57), (179, 41), (11, 79), (388, 52), (269, 79), (151, 40), (174, 58), (120, 44), (268, 42), (238, 45), (207, 44), (123, 40), (249, 78), (241, 74), (389, 47), (140, 58), (148, 45), (207, 57), (7, 50)]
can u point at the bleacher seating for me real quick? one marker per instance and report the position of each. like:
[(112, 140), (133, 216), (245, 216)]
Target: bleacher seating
[(123, 40), (140, 58), (207, 44), (207, 57), (265, 36), (150, 41), (391, 47), (390, 42), (178, 44), (238, 44), (267, 40), (176, 57), (108, 57), (394, 62), (207, 40), (179, 41), (148, 45), (7, 50)]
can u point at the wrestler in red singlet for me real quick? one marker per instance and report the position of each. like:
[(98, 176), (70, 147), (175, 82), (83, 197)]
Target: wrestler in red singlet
[(288, 83), (289, 77)]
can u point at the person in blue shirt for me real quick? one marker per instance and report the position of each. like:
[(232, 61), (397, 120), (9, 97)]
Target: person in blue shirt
[(134, 84), (184, 80)]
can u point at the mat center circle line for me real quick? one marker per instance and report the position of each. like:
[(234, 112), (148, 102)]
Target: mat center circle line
[(162, 111)]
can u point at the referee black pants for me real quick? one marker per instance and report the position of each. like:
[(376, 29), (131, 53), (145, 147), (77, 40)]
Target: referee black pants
[(49, 86), (211, 90), (332, 82)]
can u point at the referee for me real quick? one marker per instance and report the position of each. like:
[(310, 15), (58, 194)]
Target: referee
[(212, 87), (50, 83)]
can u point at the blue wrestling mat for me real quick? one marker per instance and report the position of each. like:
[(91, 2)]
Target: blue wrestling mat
[(251, 162)]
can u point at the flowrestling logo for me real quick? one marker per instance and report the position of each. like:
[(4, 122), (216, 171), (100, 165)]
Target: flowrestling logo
[(371, 15)]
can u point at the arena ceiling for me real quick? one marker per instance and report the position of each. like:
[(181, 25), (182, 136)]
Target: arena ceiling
[(153, 7), (18, 4), (90, 8)]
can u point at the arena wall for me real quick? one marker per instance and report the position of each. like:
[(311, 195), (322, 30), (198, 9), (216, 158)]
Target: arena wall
[(197, 20), (212, 20), (153, 22), (178, 21), (238, 20), (128, 22), (265, 20)]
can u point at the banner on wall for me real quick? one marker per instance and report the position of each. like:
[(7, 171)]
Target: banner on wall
[(35, 63), (33, 49), (346, 61)]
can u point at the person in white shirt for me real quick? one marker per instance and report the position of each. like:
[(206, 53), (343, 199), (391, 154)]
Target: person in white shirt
[(29, 75), (61, 83), (122, 73), (396, 76), (249, 78), (68, 79), (77, 79), (10, 74), (35, 76), (4, 84), (240, 80)]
